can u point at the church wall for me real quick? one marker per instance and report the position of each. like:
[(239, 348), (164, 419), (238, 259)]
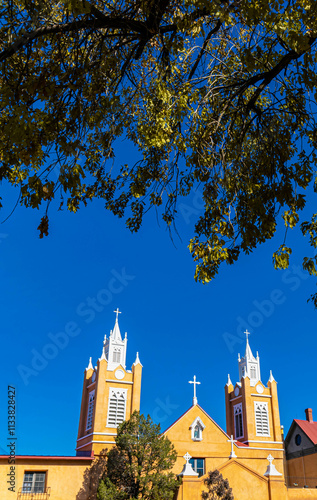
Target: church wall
[(64, 477), (302, 494)]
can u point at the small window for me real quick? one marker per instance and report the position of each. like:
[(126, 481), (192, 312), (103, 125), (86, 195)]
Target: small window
[(298, 439), (196, 429), (116, 356), (90, 412), (253, 372), (34, 482), (197, 432), (238, 420), (198, 464)]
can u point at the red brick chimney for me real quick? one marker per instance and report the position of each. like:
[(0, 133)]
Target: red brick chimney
[(309, 414)]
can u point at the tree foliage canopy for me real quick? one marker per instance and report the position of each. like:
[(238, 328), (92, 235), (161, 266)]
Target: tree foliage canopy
[(214, 94), (217, 487), (138, 466)]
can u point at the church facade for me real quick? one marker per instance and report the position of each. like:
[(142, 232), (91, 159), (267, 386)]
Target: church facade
[(250, 453)]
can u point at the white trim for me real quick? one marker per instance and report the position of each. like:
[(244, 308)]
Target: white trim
[(261, 395), (98, 434), (90, 442), (116, 412), (79, 439), (236, 412), (270, 442), (197, 422), (115, 381), (270, 449), (90, 410), (233, 399)]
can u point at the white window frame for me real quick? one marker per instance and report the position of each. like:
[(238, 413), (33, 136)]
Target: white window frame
[(259, 424), (238, 410), (197, 422), (90, 411), (116, 395), (31, 482), (116, 355)]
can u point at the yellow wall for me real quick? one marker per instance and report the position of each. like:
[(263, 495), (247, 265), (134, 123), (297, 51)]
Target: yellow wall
[(63, 477), (100, 436)]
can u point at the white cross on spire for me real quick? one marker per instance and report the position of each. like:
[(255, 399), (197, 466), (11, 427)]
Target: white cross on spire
[(195, 383), (247, 334), (117, 313)]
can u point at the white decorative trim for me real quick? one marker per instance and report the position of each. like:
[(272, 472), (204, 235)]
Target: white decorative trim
[(91, 442), (79, 439), (98, 434), (236, 411), (271, 470), (89, 365), (229, 381), (90, 410), (262, 395), (261, 410), (117, 403), (269, 442), (188, 469), (193, 426), (113, 381), (271, 379), (268, 449), (238, 397), (137, 360)]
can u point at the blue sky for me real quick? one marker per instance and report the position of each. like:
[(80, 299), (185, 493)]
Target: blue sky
[(180, 328)]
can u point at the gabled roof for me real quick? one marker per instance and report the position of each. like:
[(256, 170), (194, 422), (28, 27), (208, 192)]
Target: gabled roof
[(309, 428), (237, 443)]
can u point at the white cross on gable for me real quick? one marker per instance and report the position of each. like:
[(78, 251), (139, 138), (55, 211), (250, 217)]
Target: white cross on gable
[(187, 457), (195, 383), (247, 334), (231, 440)]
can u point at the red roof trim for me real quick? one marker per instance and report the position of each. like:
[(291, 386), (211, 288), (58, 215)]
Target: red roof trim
[(47, 457)]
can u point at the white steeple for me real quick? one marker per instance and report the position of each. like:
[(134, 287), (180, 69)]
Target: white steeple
[(249, 366), (271, 379), (90, 367), (115, 349), (137, 360)]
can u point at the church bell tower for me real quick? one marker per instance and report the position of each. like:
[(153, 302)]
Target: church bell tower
[(252, 411), (110, 394)]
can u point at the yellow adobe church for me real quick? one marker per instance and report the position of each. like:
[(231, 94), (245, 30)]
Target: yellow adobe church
[(250, 453)]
